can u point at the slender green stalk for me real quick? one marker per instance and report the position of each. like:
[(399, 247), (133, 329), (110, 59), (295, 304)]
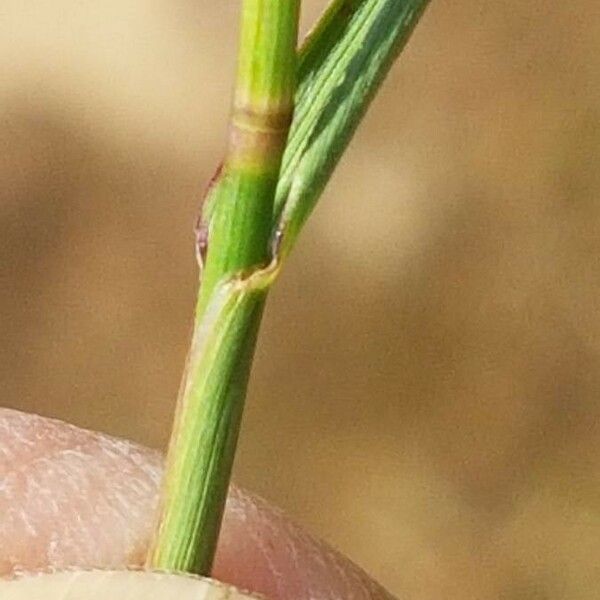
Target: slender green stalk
[(206, 427), (257, 199), (243, 196)]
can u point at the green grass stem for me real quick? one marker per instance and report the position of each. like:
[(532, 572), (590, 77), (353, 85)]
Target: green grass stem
[(251, 219)]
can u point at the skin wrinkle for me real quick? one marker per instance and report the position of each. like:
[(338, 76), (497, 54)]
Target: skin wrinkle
[(70, 497), (69, 485)]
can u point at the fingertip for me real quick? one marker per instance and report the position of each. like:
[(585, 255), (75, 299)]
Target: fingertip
[(263, 550), (75, 498), (72, 497)]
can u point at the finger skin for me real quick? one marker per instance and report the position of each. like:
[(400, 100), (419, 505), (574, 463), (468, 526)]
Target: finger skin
[(75, 498)]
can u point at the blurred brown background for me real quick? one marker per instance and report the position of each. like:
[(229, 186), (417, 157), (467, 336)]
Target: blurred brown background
[(426, 389)]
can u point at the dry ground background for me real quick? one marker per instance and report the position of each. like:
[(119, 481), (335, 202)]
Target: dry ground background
[(426, 394)]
